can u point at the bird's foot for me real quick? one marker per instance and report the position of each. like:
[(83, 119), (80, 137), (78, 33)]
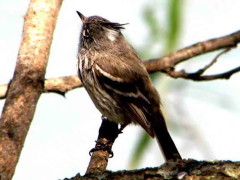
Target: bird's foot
[(100, 146)]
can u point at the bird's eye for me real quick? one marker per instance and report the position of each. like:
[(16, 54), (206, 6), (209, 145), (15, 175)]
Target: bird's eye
[(85, 33)]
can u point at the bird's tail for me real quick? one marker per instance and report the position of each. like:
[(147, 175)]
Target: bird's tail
[(164, 139)]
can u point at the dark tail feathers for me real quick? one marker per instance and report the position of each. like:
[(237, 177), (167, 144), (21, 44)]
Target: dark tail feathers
[(164, 139)]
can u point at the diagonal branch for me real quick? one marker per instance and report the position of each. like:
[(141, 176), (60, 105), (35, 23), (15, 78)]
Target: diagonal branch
[(201, 71), (172, 59)]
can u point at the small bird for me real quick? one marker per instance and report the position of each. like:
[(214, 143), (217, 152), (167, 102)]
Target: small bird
[(117, 81)]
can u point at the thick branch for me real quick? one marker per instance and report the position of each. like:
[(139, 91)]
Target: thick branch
[(185, 169), (27, 83)]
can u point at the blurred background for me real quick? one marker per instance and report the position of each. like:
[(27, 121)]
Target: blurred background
[(203, 117)]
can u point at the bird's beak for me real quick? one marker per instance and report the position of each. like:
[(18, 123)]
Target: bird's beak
[(83, 18)]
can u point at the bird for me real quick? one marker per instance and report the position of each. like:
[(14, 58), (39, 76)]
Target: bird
[(117, 81)]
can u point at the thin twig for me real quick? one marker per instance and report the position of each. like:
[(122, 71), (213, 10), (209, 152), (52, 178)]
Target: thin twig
[(201, 71), (198, 75)]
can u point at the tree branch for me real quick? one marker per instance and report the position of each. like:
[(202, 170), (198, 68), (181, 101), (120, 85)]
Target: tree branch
[(164, 64), (172, 59), (27, 83), (59, 85), (198, 75), (184, 169), (62, 85)]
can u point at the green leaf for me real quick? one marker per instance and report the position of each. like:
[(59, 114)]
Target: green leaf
[(174, 25), (140, 148)]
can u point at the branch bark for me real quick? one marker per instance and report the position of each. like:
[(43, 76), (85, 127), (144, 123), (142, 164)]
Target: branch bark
[(27, 83), (59, 85), (184, 169)]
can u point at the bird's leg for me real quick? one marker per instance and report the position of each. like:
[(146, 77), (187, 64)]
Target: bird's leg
[(108, 132)]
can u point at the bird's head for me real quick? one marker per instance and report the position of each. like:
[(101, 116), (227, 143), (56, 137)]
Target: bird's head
[(97, 29)]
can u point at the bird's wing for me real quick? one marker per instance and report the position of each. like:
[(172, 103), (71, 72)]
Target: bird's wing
[(125, 82)]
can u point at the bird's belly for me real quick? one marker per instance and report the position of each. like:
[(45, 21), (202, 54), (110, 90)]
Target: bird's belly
[(103, 101)]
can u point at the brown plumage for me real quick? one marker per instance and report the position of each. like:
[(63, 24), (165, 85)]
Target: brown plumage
[(117, 81)]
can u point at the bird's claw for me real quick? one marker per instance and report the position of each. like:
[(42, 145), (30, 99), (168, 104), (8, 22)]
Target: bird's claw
[(102, 147)]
